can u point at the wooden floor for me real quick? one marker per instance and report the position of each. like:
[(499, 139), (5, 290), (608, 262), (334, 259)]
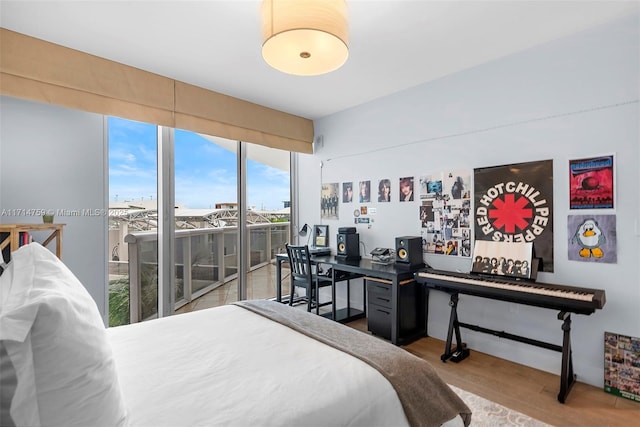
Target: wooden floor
[(527, 390)]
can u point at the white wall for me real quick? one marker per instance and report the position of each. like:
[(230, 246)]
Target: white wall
[(572, 98), (55, 158)]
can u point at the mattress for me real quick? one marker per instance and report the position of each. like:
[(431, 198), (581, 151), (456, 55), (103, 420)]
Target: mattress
[(230, 366)]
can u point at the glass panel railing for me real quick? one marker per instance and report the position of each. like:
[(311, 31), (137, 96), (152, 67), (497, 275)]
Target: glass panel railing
[(149, 279), (258, 237), (203, 262), (179, 267), (201, 255), (230, 253), (279, 237)]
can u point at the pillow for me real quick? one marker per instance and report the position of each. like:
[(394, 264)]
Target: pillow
[(8, 380), (56, 341)]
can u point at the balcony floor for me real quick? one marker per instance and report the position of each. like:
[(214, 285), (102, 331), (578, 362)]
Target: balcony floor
[(261, 284)]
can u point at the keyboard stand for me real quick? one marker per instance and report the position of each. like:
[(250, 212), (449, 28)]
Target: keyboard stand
[(461, 352)]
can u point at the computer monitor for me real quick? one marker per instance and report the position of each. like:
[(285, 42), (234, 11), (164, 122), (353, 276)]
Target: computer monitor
[(320, 236)]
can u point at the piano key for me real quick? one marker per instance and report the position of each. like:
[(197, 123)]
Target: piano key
[(569, 298)]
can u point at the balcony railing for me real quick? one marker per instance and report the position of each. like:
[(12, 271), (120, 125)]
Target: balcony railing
[(205, 258)]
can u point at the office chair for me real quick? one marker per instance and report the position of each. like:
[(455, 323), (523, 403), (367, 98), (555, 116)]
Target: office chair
[(303, 276)]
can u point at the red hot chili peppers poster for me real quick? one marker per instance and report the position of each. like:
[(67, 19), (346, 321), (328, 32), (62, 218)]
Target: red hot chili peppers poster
[(514, 203)]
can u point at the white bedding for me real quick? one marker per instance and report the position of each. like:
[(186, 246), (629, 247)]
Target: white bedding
[(229, 366), (216, 367)]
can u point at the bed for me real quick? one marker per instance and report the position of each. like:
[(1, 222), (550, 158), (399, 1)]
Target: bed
[(250, 363)]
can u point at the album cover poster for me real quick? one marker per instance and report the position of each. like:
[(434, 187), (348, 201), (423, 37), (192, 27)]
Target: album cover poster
[(503, 259), (405, 189), (591, 183), (622, 365), (592, 238), (445, 213), (364, 191), (384, 190), (329, 200), (347, 192), (514, 203)]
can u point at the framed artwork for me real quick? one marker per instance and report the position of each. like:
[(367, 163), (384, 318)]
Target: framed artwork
[(591, 183), (321, 236)]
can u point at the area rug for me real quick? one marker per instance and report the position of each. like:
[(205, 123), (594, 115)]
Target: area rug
[(486, 413)]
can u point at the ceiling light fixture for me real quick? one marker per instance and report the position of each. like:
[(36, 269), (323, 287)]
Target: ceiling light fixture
[(305, 37)]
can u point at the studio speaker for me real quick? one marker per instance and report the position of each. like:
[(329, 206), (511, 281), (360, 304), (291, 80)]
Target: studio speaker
[(348, 246), (409, 251)]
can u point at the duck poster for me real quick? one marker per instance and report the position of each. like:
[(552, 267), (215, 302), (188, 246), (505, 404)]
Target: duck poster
[(591, 183), (514, 203), (592, 238)]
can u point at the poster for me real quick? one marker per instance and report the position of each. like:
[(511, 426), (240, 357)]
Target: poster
[(514, 203), (329, 200), (591, 183), (347, 192), (622, 366), (444, 213), (364, 191), (405, 189), (592, 238), (384, 190), (503, 259)]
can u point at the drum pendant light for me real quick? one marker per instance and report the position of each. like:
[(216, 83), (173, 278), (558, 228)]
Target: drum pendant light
[(305, 37)]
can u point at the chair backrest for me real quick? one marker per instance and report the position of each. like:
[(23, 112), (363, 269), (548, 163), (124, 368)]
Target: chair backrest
[(300, 262)]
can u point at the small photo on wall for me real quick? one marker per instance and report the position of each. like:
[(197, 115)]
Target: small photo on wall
[(592, 238), (430, 187), (406, 189)]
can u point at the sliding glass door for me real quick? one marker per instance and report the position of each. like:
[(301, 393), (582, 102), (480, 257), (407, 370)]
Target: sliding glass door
[(206, 186), (226, 211)]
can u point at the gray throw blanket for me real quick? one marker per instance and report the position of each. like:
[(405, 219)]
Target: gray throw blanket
[(425, 398)]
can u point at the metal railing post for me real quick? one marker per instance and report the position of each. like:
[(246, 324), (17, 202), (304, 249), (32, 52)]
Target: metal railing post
[(135, 279)]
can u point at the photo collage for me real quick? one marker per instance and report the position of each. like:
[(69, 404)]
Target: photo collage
[(445, 213)]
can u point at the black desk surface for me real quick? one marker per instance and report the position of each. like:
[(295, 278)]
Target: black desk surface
[(365, 266)]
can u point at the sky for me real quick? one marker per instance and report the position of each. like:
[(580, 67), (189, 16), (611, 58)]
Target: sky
[(205, 173)]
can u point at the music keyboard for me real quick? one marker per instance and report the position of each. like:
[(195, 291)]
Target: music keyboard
[(561, 297)]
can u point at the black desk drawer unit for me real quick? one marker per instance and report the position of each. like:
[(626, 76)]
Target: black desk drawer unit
[(379, 306)]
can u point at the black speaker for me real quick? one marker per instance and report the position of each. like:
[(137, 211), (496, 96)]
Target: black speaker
[(409, 251), (348, 246)]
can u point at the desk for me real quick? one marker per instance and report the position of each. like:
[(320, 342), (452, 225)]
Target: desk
[(393, 275)]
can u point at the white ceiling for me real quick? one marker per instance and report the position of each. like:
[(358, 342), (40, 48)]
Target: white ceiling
[(394, 44)]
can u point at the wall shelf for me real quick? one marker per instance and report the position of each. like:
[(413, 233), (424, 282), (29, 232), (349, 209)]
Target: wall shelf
[(13, 238)]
